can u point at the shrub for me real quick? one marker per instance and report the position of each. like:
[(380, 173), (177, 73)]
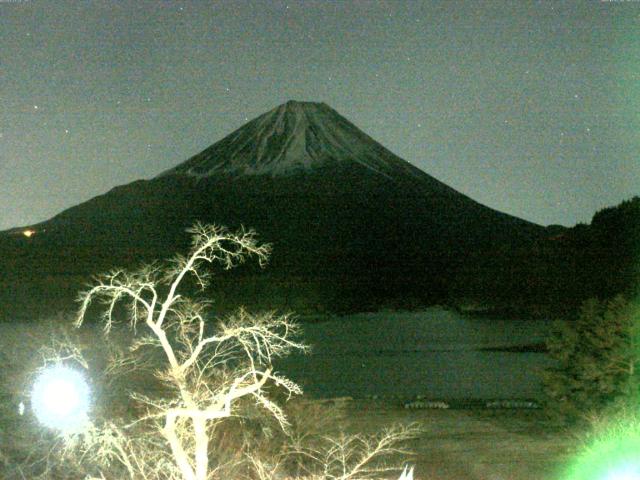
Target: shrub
[(596, 359)]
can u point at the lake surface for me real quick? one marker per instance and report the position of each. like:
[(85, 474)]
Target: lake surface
[(435, 353)]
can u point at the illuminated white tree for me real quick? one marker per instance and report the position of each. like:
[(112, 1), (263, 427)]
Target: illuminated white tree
[(209, 371)]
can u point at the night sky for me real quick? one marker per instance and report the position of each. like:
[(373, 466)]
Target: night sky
[(531, 108)]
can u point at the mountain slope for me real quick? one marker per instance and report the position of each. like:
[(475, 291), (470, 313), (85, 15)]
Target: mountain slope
[(345, 215), (293, 138)]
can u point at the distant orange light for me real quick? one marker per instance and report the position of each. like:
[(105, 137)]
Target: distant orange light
[(28, 233)]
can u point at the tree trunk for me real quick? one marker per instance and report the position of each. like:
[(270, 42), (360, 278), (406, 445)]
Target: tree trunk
[(202, 445)]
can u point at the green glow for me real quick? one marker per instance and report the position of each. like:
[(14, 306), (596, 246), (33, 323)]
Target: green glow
[(614, 456)]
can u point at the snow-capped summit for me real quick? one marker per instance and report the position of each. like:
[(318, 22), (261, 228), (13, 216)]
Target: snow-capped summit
[(295, 136)]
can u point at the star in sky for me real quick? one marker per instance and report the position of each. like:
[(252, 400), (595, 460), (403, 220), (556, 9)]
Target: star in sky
[(100, 73)]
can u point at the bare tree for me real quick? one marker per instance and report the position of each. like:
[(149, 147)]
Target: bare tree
[(348, 456), (209, 372), (351, 457), (211, 375)]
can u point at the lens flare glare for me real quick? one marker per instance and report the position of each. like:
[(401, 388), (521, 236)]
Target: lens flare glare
[(60, 399)]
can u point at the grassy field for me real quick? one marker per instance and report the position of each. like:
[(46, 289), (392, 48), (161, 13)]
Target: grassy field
[(473, 444)]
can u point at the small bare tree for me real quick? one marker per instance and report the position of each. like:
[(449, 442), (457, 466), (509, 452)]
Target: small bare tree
[(348, 456), (209, 372)]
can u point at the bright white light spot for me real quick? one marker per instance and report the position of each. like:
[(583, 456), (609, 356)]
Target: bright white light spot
[(60, 399), (626, 472), (28, 233), (406, 474)]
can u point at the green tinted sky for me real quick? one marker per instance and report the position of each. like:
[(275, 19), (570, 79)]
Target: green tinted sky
[(528, 107)]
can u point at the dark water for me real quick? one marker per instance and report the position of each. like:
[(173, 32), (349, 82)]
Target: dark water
[(435, 353)]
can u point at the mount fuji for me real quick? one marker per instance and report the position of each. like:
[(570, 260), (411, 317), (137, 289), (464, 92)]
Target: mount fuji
[(293, 138), (353, 226)]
